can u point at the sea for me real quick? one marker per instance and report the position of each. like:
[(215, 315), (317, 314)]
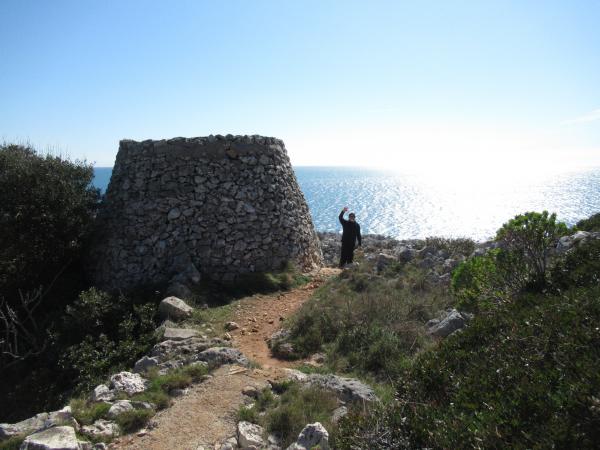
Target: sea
[(418, 205)]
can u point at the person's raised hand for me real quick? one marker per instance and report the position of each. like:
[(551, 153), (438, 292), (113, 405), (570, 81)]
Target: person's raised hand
[(345, 208)]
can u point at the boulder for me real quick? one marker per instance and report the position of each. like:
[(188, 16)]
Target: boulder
[(251, 391), (278, 336), (447, 325), (102, 393), (346, 389), (179, 334), (296, 375), (313, 435), (55, 438), (406, 254), (121, 406), (230, 326), (185, 349), (145, 363), (36, 423), (118, 408), (174, 308), (101, 429), (250, 434), (130, 383), (284, 350), (382, 261), (217, 356)]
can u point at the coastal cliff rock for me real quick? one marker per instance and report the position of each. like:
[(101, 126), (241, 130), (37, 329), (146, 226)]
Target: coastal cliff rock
[(216, 207)]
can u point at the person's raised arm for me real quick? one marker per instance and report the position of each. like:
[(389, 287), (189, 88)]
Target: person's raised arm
[(342, 220)]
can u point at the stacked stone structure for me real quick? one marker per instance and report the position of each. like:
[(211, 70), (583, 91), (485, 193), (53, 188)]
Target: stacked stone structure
[(216, 207)]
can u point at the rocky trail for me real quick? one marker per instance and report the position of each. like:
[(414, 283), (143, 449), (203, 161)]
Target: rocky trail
[(206, 415)]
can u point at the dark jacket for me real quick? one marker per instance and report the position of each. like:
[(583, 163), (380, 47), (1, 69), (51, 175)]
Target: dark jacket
[(351, 231)]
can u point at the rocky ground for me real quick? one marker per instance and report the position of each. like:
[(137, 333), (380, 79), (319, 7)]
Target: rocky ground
[(203, 416)]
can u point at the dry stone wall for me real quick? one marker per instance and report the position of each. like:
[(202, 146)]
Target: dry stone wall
[(215, 207)]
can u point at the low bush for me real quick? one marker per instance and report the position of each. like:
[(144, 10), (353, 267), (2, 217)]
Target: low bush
[(86, 412), (367, 323), (522, 377), (528, 238), (579, 268), (483, 281), (248, 414), (298, 406), (592, 223), (109, 333), (455, 247), (161, 385), (133, 420)]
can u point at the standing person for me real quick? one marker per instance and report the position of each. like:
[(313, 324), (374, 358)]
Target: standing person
[(350, 235)]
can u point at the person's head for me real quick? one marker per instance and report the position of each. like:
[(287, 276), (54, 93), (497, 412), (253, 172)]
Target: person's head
[(352, 217)]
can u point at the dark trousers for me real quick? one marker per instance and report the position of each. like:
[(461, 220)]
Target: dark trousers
[(347, 254)]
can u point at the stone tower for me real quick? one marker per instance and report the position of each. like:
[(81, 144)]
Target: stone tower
[(216, 207)]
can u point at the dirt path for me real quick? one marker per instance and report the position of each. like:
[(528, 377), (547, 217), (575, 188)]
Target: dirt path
[(260, 316), (206, 415)]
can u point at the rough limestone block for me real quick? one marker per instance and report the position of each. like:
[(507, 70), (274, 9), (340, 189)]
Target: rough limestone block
[(56, 438), (250, 434), (174, 308)]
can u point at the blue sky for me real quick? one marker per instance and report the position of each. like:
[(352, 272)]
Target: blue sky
[(342, 82)]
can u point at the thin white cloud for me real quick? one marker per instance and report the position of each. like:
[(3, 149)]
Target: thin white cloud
[(589, 117)]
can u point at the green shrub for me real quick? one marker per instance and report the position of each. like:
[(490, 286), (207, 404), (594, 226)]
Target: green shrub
[(578, 268), (195, 371), (108, 333), (47, 205), (176, 379), (524, 376), (86, 412), (158, 397), (454, 246), (528, 238), (483, 281), (133, 420), (592, 223), (297, 407), (248, 414), (375, 428)]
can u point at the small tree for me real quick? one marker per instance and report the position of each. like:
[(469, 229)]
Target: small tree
[(530, 237), (47, 206)]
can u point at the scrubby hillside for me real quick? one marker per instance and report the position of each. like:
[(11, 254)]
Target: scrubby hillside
[(504, 356)]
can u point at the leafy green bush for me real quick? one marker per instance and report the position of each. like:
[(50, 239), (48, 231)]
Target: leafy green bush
[(161, 385), (297, 407), (580, 267), (592, 223), (133, 420), (523, 377), (248, 414), (454, 246), (528, 238), (483, 281), (108, 333), (86, 412), (47, 205)]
